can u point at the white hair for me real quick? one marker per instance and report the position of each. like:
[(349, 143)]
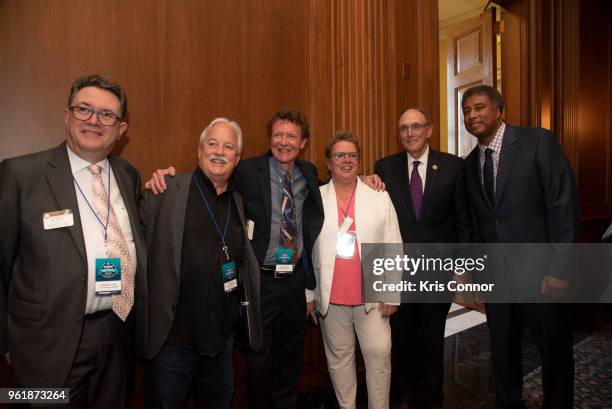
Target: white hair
[(232, 124)]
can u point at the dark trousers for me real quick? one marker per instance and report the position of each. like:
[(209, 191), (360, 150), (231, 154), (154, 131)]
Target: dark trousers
[(550, 326), (176, 373), (417, 353), (274, 372), (101, 374)]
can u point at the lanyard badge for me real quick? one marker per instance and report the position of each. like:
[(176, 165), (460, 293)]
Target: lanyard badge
[(108, 276), (345, 245), (229, 272)]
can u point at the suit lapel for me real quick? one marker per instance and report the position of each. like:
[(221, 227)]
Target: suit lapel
[(182, 181), (61, 183), (431, 178), (312, 183), (508, 150), (400, 174), (475, 170), (263, 179)]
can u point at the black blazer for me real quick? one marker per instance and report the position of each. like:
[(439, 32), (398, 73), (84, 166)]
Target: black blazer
[(252, 179), (163, 218), (536, 199), (445, 211), (44, 272)]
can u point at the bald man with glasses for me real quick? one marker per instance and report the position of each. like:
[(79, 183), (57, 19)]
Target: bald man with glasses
[(428, 191)]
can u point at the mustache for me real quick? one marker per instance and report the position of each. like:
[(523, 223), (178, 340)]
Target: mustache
[(221, 158)]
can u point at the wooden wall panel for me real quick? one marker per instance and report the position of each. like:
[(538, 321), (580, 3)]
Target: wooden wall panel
[(346, 64), (594, 111), (564, 83), (416, 62)]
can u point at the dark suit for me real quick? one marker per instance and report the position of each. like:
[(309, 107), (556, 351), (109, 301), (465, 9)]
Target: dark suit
[(535, 202), (274, 372), (444, 218), (163, 218), (44, 272)]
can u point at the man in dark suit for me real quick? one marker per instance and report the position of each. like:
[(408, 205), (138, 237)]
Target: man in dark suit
[(273, 373), (196, 295), (428, 191), (522, 190), (70, 252)]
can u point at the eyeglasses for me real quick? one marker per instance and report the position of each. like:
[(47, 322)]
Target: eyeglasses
[(106, 118), (342, 155), (416, 127)]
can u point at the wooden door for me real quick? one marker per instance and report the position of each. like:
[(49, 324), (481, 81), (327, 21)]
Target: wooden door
[(470, 61)]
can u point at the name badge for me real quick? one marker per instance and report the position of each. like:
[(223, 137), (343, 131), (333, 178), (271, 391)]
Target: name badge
[(345, 248), (58, 219), (108, 276), (284, 260), (346, 224), (229, 274)]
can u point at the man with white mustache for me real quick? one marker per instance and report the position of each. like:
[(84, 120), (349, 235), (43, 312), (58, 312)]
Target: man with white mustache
[(203, 271)]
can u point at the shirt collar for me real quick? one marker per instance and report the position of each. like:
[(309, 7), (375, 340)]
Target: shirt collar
[(77, 163), (278, 170), (208, 184), (422, 159), (496, 143)]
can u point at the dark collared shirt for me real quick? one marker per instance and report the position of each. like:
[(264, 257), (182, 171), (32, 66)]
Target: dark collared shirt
[(205, 314)]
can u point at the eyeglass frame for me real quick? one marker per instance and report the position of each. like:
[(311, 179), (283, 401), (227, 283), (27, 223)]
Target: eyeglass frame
[(117, 118), (415, 127), (342, 155)]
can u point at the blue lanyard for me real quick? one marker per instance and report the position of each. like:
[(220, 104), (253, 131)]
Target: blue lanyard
[(104, 225), (210, 213), (348, 206)]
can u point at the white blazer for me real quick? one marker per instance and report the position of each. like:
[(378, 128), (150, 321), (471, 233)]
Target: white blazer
[(376, 222)]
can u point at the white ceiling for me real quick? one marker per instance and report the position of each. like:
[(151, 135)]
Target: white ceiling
[(450, 9)]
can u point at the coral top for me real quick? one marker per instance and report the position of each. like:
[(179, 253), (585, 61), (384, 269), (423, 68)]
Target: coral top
[(346, 284)]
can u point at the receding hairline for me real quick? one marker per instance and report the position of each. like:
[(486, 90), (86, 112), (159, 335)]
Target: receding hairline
[(420, 111)]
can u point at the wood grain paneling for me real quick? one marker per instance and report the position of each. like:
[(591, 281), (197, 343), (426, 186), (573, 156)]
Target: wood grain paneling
[(186, 62), (594, 112), (564, 83)]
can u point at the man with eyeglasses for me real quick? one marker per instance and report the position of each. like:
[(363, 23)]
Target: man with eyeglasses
[(428, 191), (71, 253)]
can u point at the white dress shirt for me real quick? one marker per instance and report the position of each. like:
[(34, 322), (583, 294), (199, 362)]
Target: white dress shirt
[(93, 231), (422, 168)]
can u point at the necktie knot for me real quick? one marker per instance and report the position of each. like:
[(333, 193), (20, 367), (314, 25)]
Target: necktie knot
[(489, 153), (95, 169), (416, 164), (287, 177)]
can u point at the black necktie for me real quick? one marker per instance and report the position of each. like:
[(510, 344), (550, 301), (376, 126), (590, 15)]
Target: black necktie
[(487, 175)]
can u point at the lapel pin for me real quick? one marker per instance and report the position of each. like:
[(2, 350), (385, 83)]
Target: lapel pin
[(434, 166)]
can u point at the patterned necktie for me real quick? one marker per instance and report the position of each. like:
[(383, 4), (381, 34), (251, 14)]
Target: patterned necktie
[(288, 229), (487, 175), (416, 188), (116, 245)]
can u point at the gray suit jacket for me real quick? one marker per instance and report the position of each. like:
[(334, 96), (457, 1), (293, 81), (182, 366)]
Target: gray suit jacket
[(163, 217), (44, 272)]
